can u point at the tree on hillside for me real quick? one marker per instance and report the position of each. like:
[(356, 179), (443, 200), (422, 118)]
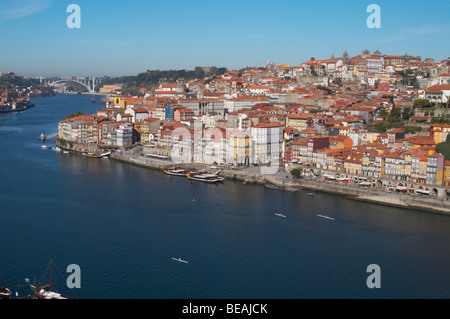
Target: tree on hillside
[(395, 114), (407, 113)]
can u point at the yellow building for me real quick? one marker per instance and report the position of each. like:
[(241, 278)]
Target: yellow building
[(119, 102), (145, 131), (439, 132), (299, 122), (446, 177), (108, 88), (238, 148), (353, 165)]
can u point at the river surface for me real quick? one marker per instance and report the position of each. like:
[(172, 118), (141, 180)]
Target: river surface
[(122, 225)]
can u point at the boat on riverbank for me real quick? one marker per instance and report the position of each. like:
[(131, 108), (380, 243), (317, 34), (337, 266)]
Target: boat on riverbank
[(176, 172), (91, 155), (205, 177), (95, 155), (5, 293), (42, 290), (20, 107)]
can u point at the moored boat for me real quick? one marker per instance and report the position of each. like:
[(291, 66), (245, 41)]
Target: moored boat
[(45, 290), (91, 155), (176, 172), (205, 177), (5, 293)]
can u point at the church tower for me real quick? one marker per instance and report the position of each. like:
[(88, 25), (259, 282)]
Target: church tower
[(345, 56)]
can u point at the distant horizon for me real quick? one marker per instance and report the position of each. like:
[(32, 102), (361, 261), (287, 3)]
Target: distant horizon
[(124, 40), (219, 66)]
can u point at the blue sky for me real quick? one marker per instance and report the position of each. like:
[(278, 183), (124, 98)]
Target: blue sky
[(127, 37)]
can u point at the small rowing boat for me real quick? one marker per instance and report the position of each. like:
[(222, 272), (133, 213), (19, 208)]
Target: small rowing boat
[(326, 217), (180, 260)]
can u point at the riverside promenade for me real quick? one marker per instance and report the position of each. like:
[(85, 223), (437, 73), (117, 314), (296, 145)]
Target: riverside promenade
[(281, 180), (285, 182)]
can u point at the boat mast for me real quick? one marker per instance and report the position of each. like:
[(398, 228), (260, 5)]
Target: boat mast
[(51, 267)]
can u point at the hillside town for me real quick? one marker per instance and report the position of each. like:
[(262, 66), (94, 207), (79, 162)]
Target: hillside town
[(16, 91), (373, 117)]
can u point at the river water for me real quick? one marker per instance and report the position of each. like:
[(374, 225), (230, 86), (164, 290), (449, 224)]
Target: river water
[(122, 225)]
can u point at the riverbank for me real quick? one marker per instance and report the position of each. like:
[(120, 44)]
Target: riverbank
[(251, 176), (19, 109), (284, 182)]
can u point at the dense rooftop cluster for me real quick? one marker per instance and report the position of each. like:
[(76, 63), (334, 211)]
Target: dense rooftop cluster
[(373, 115)]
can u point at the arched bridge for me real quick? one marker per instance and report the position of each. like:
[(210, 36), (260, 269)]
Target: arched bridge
[(89, 83)]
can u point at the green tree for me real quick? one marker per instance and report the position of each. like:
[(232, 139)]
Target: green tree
[(395, 115), (72, 115), (296, 172), (422, 103), (407, 113), (384, 114)]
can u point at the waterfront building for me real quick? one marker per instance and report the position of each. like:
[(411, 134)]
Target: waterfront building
[(446, 177), (124, 134), (435, 169), (267, 141), (239, 148), (419, 169), (148, 128), (88, 132), (372, 164), (300, 151), (396, 167), (353, 164), (67, 128)]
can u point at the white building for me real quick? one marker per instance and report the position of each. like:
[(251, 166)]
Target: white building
[(124, 135), (267, 139), (374, 64), (138, 114)]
